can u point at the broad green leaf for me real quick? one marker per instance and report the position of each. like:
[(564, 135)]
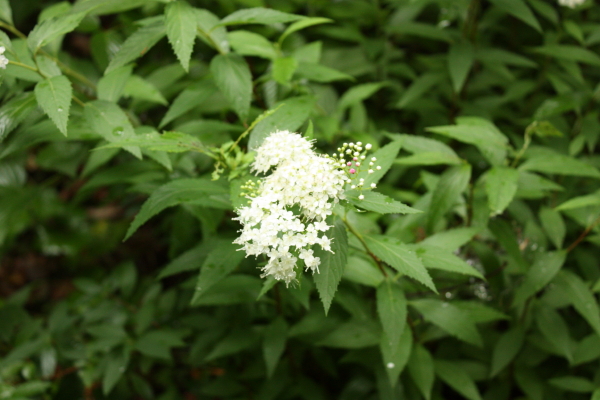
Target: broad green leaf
[(418, 144), (529, 382), (234, 289), (252, 44), (555, 330), (302, 24), (109, 121), (52, 28), (158, 343), (501, 186), (497, 56), (580, 201), (354, 334), (533, 186), (421, 370), (210, 32), (219, 263), (539, 275), (188, 261), (358, 93), (391, 308), (400, 257), (320, 73), (189, 98), (569, 52), (460, 61), (385, 157), (576, 292), (332, 265), (507, 238), (14, 111), (103, 7), (233, 78), (480, 133), (455, 376), (139, 88), (428, 158), (452, 239), (289, 114), (274, 339), (438, 258), (259, 15), (395, 355), (573, 384), (283, 69), (374, 201), (596, 395), (4, 39), (54, 96), (172, 142), (588, 349), (450, 186), (362, 271), (419, 87), (233, 343), (6, 12), (520, 10), (111, 85), (181, 27), (424, 30), (187, 190), (137, 44), (506, 349), (554, 225), (479, 312), (115, 368), (449, 318)]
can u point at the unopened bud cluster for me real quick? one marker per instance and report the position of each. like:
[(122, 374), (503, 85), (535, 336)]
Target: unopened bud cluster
[(353, 159), (287, 210)]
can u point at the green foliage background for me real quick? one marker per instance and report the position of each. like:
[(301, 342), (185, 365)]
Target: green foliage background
[(133, 119)]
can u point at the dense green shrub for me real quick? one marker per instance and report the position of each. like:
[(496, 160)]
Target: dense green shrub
[(126, 130)]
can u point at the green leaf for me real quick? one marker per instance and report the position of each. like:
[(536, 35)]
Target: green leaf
[(588, 349), (234, 80), (580, 201), (354, 334), (539, 275), (380, 203), (332, 264), (54, 96), (359, 93), (275, 336), (189, 261), (158, 343), (51, 29), (193, 191), (252, 44), (283, 69), (428, 158), (450, 186), (480, 133), (109, 121), (14, 111), (289, 115), (576, 292), (450, 318), (419, 87), (320, 73), (451, 239), (501, 186), (172, 142), (555, 330), (400, 257), (220, 262), (520, 10), (302, 24), (569, 52), (421, 370), (234, 289), (139, 88), (189, 98), (115, 368), (385, 158), (259, 15), (364, 272), (6, 12), (424, 30), (137, 44), (507, 238), (210, 32), (181, 26), (391, 308), (460, 60), (554, 225), (103, 7), (437, 258), (506, 349), (573, 384), (395, 355), (111, 85), (455, 376)]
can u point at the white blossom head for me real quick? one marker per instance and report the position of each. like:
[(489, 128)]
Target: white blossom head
[(3, 59)]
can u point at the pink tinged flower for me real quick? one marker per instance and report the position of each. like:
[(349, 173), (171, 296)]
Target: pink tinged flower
[(355, 159), (352, 171), (349, 164)]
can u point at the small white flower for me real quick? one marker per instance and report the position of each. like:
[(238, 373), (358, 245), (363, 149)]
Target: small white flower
[(571, 3), (3, 59), (370, 171), (373, 159), (361, 197), (378, 167), (368, 146), (373, 186)]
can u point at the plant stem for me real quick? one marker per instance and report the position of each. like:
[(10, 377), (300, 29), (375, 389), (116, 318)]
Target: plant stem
[(583, 235), (362, 241)]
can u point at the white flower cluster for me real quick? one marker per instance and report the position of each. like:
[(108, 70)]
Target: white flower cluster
[(301, 180), (571, 3), (3, 59)]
